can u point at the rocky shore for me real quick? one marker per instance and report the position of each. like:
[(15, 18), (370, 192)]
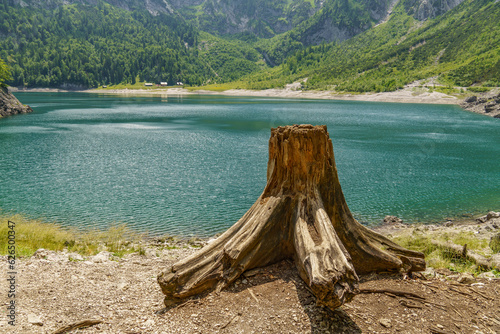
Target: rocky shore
[(10, 105), (57, 290), (486, 103)]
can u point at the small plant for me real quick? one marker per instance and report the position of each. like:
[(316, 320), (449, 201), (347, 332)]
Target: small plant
[(495, 243)]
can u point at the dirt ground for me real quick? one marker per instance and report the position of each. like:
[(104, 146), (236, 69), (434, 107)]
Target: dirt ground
[(53, 292)]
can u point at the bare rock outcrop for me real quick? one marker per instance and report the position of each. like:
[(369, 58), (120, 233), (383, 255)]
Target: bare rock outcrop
[(10, 105), (486, 104), (429, 9)]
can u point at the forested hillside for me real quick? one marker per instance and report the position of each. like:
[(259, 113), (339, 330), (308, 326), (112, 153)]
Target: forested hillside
[(336, 21), (348, 45), (86, 46), (460, 48), (77, 44), (262, 18)]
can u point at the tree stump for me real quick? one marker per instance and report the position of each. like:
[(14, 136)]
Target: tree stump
[(301, 215)]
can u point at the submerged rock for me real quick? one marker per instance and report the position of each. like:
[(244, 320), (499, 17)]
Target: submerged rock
[(392, 221), (385, 322)]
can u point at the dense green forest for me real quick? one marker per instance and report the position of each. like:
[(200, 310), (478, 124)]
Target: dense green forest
[(88, 46), (4, 72)]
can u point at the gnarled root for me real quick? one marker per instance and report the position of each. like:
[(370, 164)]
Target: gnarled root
[(301, 215)]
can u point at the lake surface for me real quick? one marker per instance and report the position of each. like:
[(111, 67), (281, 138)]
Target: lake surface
[(193, 165)]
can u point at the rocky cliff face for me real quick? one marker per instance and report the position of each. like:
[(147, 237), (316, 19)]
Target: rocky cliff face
[(429, 9), (10, 105), (327, 31)]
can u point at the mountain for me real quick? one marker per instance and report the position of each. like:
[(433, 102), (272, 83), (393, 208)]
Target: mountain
[(262, 18), (458, 48), (429, 9), (154, 7), (293, 23), (78, 45), (351, 45), (337, 20)]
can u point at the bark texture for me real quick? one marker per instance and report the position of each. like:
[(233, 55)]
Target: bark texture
[(301, 215)]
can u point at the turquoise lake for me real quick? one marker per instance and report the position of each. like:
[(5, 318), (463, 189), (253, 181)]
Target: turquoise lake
[(193, 165)]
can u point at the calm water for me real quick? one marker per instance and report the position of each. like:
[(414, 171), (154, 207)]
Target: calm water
[(194, 165)]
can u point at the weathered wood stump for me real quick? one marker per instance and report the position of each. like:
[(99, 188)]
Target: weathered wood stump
[(301, 215)]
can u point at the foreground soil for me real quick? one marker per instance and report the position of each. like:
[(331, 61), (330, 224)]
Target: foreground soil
[(55, 290)]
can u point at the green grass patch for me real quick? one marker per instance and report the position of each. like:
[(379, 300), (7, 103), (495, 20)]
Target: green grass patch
[(448, 90), (439, 257), (221, 87), (478, 89)]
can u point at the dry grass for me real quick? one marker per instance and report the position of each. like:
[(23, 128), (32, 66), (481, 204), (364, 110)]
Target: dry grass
[(35, 234), (120, 240)]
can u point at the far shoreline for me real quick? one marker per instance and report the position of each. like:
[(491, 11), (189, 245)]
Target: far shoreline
[(400, 96)]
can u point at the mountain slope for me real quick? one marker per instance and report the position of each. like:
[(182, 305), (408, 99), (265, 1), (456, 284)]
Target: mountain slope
[(262, 18), (81, 45), (461, 47), (337, 20), (352, 45), (429, 9)]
